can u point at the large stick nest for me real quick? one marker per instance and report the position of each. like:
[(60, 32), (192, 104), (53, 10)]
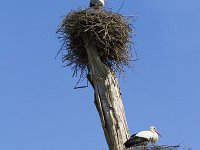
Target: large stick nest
[(110, 31), (157, 147)]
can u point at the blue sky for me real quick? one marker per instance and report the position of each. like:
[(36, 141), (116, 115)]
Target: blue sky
[(39, 109)]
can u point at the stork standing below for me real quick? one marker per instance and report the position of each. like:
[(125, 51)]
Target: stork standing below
[(143, 138), (97, 4)]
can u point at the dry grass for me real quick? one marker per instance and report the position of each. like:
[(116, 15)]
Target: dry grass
[(111, 32)]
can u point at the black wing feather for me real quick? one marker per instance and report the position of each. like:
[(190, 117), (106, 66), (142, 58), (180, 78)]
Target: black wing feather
[(133, 135), (136, 141)]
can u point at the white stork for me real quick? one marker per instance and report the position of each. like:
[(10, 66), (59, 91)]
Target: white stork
[(97, 4), (143, 138)]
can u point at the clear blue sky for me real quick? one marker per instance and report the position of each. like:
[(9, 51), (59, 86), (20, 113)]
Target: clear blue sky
[(40, 110)]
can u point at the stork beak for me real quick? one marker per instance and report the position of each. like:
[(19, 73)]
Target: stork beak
[(158, 133)]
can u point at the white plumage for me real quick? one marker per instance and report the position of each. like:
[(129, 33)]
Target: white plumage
[(143, 138), (145, 134), (97, 4)]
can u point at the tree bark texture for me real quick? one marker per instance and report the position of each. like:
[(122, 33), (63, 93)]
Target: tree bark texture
[(108, 99)]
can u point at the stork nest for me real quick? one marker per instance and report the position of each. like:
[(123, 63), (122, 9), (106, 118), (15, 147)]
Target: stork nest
[(110, 31), (157, 147)]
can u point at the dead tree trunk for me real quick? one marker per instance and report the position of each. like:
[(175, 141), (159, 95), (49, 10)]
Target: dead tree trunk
[(108, 99)]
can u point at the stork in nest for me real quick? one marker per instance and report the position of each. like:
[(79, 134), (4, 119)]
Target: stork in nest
[(97, 4), (143, 138)]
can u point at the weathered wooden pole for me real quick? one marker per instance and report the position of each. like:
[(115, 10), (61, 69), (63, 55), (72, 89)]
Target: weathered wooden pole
[(108, 99)]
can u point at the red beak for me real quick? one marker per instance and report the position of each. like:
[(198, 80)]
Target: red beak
[(158, 133)]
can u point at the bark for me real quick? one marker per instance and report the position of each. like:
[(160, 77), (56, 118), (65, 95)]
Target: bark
[(108, 99)]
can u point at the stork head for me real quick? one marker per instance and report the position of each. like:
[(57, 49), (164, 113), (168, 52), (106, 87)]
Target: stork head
[(97, 4), (153, 129)]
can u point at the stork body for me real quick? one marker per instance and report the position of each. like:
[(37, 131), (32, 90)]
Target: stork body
[(97, 4), (143, 138)]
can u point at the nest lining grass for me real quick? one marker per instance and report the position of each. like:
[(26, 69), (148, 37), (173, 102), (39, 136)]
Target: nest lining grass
[(111, 32)]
